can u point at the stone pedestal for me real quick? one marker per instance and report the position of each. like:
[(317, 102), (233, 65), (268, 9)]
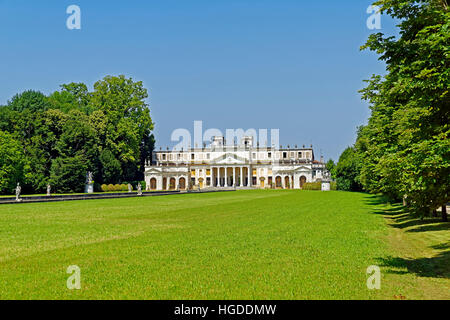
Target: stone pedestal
[(326, 185), (89, 188)]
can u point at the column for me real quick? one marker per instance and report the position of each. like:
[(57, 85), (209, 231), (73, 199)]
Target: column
[(240, 177), (234, 176), (218, 176)]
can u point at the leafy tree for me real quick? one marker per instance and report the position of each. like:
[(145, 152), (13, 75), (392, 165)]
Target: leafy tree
[(13, 167), (68, 174), (331, 167), (404, 147), (79, 91), (128, 124), (30, 100), (107, 131), (347, 171), (111, 167)]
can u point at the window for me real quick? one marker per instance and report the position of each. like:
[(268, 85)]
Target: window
[(269, 155), (284, 155), (192, 156), (299, 154), (254, 155), (164, 156)]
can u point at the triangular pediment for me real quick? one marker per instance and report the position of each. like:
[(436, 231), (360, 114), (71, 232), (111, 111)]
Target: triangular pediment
[(302, 168), (229, 158), (152, 170)]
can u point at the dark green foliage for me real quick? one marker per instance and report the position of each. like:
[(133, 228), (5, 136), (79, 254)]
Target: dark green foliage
[(111, 167), (405, 148), (68, 174), (32, 101), (107, 131), (347, 171), (331, 167), (12, 165)]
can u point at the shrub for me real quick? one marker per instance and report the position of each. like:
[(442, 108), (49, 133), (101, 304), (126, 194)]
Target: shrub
[(118, 187), (124, 187), (312, 186), (110, 187), (104, 188), (333, 185)]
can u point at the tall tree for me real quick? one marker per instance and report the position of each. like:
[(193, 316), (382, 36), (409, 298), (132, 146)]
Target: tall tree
[(128, 124), (405, 146), (13, 167), (347, 171)]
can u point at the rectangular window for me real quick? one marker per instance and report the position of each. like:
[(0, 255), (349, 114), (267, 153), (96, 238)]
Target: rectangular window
[(284, 155), (164, 156), (269, 155), (299, 154), (254, 155), (192, 156)]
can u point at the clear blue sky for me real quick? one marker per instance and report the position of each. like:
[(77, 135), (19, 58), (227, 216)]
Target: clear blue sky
[(293, 65)]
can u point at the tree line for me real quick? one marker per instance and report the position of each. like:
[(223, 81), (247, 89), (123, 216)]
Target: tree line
[(404, 150), (56, 139)]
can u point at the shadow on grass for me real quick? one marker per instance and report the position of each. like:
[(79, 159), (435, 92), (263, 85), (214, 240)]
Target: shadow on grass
[(435, 267), (400, 218)]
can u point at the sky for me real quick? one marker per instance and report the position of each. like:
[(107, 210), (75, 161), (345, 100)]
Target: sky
[(293, 65)]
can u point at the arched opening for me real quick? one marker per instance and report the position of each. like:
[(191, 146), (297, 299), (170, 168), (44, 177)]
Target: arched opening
[(164, 186), (278, 182), (286, 182), (153, 184), (302, 181), (182, 183), (172, 184)]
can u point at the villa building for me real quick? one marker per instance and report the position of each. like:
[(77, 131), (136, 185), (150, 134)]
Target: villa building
[(238, 166)]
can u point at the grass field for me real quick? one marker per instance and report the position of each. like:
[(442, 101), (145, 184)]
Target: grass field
[(283, 244)]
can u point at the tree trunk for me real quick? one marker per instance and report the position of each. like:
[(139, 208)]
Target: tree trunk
[(444, 213), (434, 213)]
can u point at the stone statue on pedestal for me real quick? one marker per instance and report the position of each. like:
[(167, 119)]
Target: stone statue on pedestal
[(89, 177), (139, 189), (18, 191), (130, 187), (89, 188), (49, 188)]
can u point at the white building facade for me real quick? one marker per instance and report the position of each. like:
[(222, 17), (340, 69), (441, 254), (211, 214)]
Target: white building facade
[(237, 166)]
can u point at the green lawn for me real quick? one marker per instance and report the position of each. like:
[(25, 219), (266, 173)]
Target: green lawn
[(274, 244)]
